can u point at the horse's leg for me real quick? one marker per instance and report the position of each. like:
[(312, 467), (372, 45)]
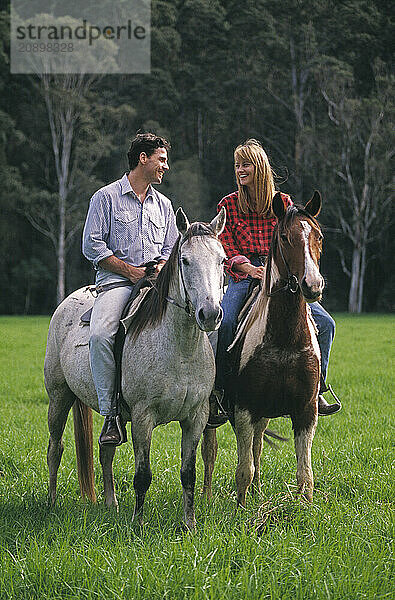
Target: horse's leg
[(304, 428), (244, 431), (209, 454), (259, 430), (61, 399), (141, 435), (107, 453), (191, 434)]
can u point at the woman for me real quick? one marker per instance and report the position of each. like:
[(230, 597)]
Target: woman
[(246, 240)]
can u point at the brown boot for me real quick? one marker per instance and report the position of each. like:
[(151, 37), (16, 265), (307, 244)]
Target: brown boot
[(325, 409), (113, 432), (217, 416)]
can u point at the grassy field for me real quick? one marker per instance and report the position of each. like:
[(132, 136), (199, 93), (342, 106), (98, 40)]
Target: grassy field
[(341, 547)]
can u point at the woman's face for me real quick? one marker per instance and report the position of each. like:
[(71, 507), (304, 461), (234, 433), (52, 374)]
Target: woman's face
[(244, 172)]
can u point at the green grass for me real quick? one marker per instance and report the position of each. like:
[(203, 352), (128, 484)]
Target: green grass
[(341, 547)]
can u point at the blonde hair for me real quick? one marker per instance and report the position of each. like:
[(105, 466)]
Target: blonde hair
[(253, 152)]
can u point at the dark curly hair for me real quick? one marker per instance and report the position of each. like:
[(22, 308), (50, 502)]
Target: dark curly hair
[(144, 142)]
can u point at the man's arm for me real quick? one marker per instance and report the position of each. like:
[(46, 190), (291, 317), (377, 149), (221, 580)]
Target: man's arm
[(94, 240), (96, 228), (116, 265)]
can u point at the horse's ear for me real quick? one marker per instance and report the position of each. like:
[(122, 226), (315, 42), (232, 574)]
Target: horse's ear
[(181, 221), (218, 223), (278, 206), (313, 206)]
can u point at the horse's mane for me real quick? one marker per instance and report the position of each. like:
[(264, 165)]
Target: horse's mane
[(153, 306)]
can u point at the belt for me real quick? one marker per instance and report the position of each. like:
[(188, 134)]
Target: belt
[(110, 286)]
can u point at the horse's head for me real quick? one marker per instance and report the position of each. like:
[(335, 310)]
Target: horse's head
[(297, 245), (200, 260)]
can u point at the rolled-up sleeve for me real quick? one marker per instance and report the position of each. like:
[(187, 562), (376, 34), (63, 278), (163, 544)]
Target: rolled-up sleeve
[(97, 228), (171, 234)]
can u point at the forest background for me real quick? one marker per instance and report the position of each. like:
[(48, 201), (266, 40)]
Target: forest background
[(311, 80)]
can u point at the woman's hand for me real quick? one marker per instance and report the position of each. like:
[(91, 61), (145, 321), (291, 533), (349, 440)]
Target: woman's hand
[(256, 272), (249, 269)]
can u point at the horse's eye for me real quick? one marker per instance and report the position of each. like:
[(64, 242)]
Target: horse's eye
[(284, 237), (185, 261)]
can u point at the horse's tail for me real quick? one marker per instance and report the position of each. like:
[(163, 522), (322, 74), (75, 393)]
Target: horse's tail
[(269, 433), (83, 435)]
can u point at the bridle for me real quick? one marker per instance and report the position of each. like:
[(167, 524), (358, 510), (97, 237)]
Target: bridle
[(292, 283), (188, 303)]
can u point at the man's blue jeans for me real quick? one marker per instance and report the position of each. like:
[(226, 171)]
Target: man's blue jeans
[(232, 303)]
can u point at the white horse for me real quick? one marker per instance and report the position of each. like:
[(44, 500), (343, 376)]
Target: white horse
[(168, 366)]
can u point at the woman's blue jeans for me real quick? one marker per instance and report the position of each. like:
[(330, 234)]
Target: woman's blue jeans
[(232, 303)]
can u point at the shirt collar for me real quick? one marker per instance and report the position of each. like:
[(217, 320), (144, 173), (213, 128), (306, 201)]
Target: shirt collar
[(125, 185), (127, 188)]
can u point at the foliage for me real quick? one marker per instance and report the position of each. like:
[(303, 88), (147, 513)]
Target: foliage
[(222, 71)]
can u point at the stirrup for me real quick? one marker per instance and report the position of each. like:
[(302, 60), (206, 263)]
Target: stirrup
[(216, 421), (122, 429), (222, 417), (324, 408), (334, 395)]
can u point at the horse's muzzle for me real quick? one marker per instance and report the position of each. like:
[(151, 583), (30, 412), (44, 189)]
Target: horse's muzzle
[(312, 293), (209, 318)]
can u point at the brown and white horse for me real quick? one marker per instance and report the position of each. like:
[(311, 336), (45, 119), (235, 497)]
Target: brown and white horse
[(277, 354)]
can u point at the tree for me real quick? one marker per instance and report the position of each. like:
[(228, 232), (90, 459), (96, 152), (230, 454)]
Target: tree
[(79, 139), (358, 154)]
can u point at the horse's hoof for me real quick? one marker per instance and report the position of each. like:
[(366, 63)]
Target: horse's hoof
[(51, 501), (138, 518), (207, 494), (308, 497), (189, 526), (305, 494)]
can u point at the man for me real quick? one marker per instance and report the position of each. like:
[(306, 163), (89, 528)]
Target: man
[(129, 223)]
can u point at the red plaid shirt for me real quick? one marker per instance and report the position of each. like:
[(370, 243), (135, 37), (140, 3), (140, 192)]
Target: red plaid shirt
[(245, 234)]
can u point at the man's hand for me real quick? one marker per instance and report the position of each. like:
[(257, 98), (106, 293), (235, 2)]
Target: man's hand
[(136, 273), (116, 265), (160, 266)]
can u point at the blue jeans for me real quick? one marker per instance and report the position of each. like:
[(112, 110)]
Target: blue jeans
[(232, 303)]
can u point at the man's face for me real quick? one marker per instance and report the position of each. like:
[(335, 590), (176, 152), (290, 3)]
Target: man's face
[(155, 165)]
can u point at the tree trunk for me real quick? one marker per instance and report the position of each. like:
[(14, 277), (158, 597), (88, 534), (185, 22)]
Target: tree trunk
[(298, 167), (61, 286), (200, 134), (355, 280), (362, 277)]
